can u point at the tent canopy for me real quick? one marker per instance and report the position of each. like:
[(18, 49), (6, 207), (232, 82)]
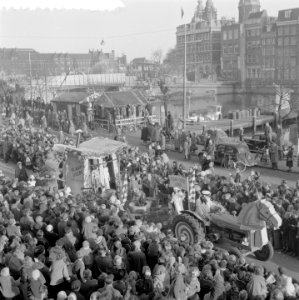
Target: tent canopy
[(95, 147)]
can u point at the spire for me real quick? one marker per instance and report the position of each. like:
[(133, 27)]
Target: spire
[(210, 11), (198, 14)]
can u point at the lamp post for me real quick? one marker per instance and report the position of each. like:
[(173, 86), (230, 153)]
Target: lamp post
[(184, 78)]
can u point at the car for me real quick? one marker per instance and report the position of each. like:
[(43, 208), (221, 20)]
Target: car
[(256, 145), (237, 151)]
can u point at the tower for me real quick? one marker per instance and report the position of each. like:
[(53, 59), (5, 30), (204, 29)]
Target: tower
[(210, 12), (198, 14), (246, 7)]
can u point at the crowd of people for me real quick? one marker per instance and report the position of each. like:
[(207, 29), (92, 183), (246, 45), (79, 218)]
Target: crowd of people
[(55, 245)]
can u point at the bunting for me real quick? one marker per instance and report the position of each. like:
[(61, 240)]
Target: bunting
[(192, 188), (124, 190)]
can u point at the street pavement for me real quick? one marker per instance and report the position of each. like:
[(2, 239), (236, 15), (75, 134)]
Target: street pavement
[(268, 175)]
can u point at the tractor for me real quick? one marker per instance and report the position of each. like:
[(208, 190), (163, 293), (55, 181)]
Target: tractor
[(240, 235)]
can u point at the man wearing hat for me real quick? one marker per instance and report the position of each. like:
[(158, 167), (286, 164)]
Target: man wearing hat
[(21, 173)]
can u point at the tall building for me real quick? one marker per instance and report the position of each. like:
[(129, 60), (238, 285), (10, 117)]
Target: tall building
[(246, 7), (203, 43), (231, 38), (253, 38), (287, 52)]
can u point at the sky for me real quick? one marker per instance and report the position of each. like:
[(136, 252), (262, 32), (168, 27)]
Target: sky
[(132, 27)]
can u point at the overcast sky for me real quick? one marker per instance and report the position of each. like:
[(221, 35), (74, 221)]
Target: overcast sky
[(135, 28)]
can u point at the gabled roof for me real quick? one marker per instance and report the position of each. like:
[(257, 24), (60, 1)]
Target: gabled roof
[(71, 97), (283, 16), (121, 99)]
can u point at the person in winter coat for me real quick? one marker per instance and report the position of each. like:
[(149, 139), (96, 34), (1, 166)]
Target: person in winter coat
[(290, 157), (21, 173), (136, 258), (274, 155), (257, 286), (8, 286)]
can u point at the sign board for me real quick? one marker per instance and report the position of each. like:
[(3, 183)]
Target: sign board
[(74, 173), (178, 181)]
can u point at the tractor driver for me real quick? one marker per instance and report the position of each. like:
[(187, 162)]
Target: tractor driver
[(204, 204)]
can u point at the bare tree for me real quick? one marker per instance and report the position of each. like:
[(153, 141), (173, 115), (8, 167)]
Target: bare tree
[(157, 56)]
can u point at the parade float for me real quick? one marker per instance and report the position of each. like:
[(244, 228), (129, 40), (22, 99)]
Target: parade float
[(91, 165), (240, 235)]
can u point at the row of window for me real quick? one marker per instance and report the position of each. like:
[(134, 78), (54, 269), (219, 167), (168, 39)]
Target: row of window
[(286, 61), (230, 34), (254, 43), (286, 74), (230, 49), (268, 51), (252, 59), (287, 30), (286, 41), (282, 74), (269, 41), (253, 32)]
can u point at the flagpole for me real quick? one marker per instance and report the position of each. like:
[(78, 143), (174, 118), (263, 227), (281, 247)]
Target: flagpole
[(184, 78)]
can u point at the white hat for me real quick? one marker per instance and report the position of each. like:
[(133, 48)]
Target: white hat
[(5, 272), (88, 219), (35, 274), (49, 227), (206, 193)]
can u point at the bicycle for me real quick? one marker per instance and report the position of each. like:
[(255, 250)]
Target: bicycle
[(231, 164)]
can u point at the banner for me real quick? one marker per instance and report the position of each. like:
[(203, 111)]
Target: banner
[(178, 181), (293, 134), (75, 173)]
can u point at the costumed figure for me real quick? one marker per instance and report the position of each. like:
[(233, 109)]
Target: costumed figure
[(177, 200), (51, 171)]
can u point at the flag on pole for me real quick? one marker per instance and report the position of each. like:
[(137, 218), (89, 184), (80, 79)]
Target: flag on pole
[(192, 188), (102, 42), (182, 13), (124, 191)]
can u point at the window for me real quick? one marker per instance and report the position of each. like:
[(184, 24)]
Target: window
[(293, 62), (286, 41), (286, 74), (248, 32), (286, 30), (293, 40), (293, 30), (287, 14), (280, 31), (236, 34), (293, 74), (230, 34), (280, 41)]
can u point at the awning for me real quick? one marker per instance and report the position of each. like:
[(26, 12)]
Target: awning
[(95, 147)]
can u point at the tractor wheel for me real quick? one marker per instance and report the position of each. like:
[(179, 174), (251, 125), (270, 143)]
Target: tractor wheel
[(266, 253), (188, 226)]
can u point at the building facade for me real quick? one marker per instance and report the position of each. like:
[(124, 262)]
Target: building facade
[(260, 49), (203, 43), (231, 35), (287, 54), (18, 61), (143, 68)]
